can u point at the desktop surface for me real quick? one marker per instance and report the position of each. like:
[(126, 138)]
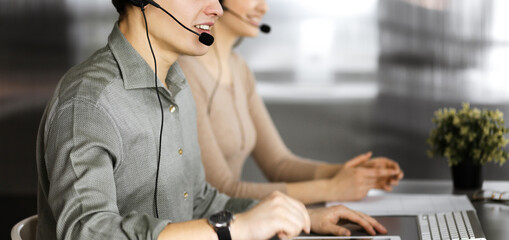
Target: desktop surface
[(493, 216), (403, 226)]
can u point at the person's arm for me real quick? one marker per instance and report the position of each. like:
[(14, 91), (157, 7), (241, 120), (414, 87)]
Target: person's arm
[(351, 183), (281, 215), (327, 170), (341, 171), (277, 162), (276, 214), (307, 180), (199, 228), (83, 150)]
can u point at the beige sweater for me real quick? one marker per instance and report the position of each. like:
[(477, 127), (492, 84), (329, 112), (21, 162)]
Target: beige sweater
[(238, 126)]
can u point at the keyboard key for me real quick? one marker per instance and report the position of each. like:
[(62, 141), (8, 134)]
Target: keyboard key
[(442, 225), (468, 225), (433, 225), (451, 225), (461, 225), (424, 226)]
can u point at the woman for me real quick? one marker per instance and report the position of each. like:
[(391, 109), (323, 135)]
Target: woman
[(233, 123), (100, 174)]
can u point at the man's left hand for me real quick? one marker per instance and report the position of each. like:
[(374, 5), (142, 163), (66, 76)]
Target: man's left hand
[(324, 221)]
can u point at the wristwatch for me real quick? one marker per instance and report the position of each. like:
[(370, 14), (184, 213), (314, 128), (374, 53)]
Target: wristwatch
[(221, 224)]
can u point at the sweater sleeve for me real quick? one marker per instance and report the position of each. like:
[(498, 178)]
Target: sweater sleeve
[(271, 154)]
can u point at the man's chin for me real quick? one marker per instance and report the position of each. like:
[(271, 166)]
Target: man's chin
[(198, 51)]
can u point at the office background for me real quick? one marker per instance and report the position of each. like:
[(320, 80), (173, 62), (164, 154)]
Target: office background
[(339, 77)]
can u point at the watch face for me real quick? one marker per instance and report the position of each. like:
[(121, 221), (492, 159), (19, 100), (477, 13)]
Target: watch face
[(221, 219)]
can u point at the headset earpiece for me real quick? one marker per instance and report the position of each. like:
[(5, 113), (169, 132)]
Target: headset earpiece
[(139, 3)]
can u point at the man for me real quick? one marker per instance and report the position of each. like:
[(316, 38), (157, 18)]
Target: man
[(101, 175)]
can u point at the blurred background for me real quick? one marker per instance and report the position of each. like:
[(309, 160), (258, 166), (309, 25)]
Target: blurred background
[(339, 77)]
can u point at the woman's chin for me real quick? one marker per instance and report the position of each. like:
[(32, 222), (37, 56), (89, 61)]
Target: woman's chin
[(251, 34)]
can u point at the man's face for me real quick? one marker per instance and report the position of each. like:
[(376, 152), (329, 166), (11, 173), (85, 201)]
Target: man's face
[(198, 15)]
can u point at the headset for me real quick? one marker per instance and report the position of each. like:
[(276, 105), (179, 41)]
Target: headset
[(264, 28), (205, 39)]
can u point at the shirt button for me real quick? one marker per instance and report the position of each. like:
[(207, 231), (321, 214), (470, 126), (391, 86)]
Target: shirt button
[(186, 195), (172, 108), (181, 151)]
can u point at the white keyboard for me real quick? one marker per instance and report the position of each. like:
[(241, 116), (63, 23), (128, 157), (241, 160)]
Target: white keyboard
[(448, 226)]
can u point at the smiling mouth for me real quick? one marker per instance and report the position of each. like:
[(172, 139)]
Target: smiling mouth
[(254, 20), (203, 27)]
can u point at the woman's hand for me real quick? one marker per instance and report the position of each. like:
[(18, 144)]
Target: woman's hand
[(357, 176), (276, 214), (382, 162), (324, 221)]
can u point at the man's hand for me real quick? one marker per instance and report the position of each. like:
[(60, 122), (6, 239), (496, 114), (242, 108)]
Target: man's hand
[(324, 221), (276, 214)]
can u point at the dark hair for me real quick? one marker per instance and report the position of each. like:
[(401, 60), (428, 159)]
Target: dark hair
[(120, 5)]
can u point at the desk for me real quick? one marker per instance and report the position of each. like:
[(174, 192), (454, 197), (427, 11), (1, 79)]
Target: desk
[(494, 217)]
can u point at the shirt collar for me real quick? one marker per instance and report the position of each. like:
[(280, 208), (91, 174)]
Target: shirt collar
[(135, 71)]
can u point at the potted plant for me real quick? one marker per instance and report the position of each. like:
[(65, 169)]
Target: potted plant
[(468, 138)]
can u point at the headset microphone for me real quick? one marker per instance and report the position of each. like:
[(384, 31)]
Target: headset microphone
[(204, 38), (264, 28)]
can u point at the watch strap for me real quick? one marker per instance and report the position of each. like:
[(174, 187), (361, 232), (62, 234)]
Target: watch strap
[(223, 233)]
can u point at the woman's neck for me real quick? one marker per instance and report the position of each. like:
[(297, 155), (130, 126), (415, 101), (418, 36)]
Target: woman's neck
[(220, 50), (134, 31)]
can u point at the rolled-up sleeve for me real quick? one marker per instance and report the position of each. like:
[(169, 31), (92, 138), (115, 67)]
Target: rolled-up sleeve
[(83, 150)]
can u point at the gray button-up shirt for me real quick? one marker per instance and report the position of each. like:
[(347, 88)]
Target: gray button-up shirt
[(98, 149)]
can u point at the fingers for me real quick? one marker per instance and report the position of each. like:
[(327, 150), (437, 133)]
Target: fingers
[(394, 165), (387, 188), (379, 178), (292, 214), (353, 216), (382, 162), (325, 221), (378, 227), (394, 181), (337, 230), (401, 175), (288, 227), (358, 160), (283, 236), (384, 184), (302, 212), (368, 223), (276, 214), (379, 172)]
